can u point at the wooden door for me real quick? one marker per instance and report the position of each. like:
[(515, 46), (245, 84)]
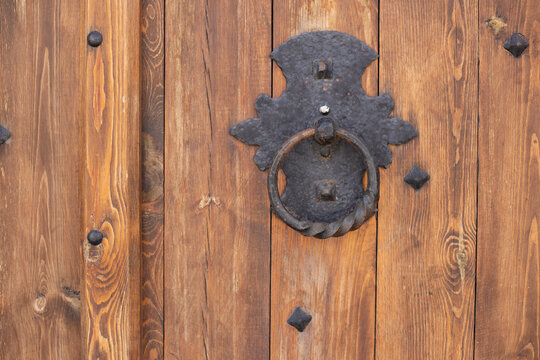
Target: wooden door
[(130, 137)]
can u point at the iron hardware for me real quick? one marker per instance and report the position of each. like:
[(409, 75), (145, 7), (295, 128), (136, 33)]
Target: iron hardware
[(94, 38), (299, 319), (324, 157), (95, 237), (516, 44), (4, 135), (416, 178)]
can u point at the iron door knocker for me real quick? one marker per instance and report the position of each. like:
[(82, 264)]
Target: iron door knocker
[(325, 133)]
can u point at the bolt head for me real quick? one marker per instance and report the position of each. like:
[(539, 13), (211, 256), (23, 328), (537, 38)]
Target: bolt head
[(516, 44), (325, 131), (95, 237), (94, 39), (416, 178), (326, 190), (324, 110), (322, 69), (299, 319)]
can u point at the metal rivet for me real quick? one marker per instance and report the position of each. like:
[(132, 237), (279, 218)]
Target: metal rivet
[(322, 69), (94, 38), (516, 44), (416, 177), (4, 135), (95, 237), (326, 190), (299, 319), (325, 151), (325, 109), (324, 131)]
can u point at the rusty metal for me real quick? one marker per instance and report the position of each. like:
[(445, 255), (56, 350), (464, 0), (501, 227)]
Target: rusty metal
[(94, 39), (364, 208), (5, 134), (324, 195)]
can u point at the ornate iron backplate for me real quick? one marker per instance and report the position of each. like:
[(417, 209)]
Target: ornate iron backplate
[(324, 132)]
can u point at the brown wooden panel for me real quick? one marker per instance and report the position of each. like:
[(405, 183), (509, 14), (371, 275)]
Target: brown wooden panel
[(332, 279), (216, 209), (426, 238), (40, 267), (508, 299), (111, 320), (152, 113)]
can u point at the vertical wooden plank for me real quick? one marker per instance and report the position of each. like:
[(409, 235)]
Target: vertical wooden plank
[(111, 319), (216, 207), (153, 122), (426, 238), (332, 279), (508, 299), (40, 266)]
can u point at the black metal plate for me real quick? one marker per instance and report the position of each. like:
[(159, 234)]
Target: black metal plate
[(323, 68)]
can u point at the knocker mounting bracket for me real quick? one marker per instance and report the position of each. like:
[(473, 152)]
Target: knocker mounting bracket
[(325, 133)]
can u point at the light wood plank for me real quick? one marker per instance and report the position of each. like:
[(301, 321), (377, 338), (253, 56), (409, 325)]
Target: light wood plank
[(216, 207), (426, 238), (332, 279), (111, 196), (40, 267), (508, 299)]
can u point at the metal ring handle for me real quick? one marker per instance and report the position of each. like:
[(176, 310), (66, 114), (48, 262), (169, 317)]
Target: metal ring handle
[(365, 207)]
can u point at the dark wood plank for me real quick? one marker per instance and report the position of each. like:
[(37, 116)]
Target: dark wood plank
[(153, 122), (333, 279), (508, 299), (216, 207), (111, 317), (426, 238), (40, 221)]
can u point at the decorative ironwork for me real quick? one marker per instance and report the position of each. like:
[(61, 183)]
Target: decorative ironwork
[(416, 177), (516, 44), (299, 319), (325, 133)]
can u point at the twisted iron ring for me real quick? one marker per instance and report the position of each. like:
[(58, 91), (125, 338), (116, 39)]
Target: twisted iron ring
[(364, 209)]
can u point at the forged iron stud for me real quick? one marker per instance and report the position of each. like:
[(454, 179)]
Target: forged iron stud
[(95, 237), (94, 38)]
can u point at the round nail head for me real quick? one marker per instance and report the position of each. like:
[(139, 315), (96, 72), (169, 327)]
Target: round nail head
[(95, 237), (95, 38), (324, 110)]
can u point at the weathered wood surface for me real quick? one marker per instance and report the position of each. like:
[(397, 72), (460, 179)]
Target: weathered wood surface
[(40, 267), (217, 239), (508, 283), (111, 178), (333, 279), (152, 113), (426, 238)]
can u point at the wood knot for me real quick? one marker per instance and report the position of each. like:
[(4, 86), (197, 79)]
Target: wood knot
[(496, 24), (40, 303), (207, 200)]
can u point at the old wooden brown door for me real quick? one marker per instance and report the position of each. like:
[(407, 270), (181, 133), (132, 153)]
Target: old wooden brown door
[(128, 136)]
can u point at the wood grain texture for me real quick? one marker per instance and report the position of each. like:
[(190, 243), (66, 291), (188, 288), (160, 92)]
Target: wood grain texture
[(153, 122), (40, 268), (333, 279), (216, 208), (111, 318), (426, 238), (508, 299)]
